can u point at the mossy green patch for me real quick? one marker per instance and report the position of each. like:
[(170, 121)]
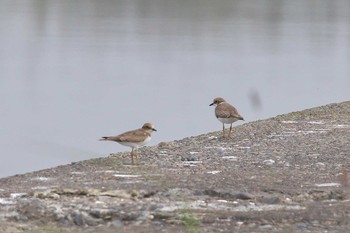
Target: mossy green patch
[(190, 221)]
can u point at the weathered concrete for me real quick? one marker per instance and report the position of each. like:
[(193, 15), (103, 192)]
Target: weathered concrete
[(284, 174)]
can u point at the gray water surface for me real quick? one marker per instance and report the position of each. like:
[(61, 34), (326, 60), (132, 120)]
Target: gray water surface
[(73, 71)]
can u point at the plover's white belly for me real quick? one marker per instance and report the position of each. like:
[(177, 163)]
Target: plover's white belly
[(227, 120), (136, 144)]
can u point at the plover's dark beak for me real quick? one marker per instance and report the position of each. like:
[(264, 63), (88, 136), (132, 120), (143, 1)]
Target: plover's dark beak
[(154, 129), (211, 104)]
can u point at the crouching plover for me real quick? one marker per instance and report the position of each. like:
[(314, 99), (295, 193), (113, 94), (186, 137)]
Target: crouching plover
[(225, 113), (134, 138)]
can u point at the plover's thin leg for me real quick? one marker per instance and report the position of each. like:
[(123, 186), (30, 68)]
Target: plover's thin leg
[(229, 133), (223, 130)]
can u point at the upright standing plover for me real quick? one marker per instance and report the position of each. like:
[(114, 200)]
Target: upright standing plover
[(225, 113), (134, 138)]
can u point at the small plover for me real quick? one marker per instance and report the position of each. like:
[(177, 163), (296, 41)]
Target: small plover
[(225, 113), (134, 138)]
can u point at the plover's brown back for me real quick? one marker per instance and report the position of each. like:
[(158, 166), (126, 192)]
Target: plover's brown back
[(226, 113)]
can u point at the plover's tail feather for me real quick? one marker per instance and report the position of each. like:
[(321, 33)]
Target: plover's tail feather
[(111, 138)]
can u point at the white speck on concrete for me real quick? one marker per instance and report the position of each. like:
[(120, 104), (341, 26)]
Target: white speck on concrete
[(233, 158), (213, 172), (315, 122), (269, 162), (77, 173), (191, 163), (328, 185), (289, 122), (306, 132), (218, 148), (193, 152), (126, 176), (17, 195), (43, 179), (40, 188), (223, 201), (5, 201), (342, 126)]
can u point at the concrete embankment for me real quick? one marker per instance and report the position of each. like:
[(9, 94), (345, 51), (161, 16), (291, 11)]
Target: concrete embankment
[(284, 174)]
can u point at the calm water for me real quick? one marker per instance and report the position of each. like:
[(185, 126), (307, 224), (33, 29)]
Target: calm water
[(72, 71)]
